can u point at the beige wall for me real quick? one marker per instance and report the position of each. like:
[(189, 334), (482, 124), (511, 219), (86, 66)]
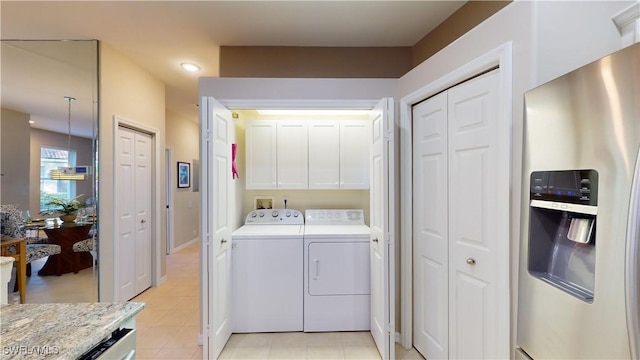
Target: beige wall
[(314, 62), (182, 139), (84, 156), (14, 158), (130, 92), (352, 62), (466, 18)]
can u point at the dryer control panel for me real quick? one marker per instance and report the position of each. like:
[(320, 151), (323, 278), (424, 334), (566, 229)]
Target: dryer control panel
[(334, 217), (275, 216)]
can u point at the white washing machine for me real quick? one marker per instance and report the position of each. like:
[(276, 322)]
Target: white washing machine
[(336, 271), (267, 272)]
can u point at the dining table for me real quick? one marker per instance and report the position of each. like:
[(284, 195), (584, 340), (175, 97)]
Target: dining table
[(65, 235)]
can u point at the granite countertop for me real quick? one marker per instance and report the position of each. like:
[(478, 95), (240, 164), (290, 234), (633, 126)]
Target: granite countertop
[(59, 331)]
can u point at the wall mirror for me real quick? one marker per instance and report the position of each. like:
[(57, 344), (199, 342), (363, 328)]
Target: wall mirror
[(41, 130)]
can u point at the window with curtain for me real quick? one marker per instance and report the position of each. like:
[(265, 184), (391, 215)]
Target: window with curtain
[(52, 159)]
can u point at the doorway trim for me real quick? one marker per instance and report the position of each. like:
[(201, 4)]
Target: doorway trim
[(156, 191), (501, 57)]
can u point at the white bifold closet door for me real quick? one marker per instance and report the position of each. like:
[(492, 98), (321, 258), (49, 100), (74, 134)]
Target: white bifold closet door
[(457, 167), (133, 212), (216, 137), (381, 224)]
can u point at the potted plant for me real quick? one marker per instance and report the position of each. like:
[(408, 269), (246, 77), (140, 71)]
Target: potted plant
[(67, 208)]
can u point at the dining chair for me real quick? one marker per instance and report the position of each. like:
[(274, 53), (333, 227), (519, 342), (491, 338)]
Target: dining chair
[(11, 225)]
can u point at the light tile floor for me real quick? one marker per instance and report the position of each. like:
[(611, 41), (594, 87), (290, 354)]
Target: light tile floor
[(169, 325), (66, 288)]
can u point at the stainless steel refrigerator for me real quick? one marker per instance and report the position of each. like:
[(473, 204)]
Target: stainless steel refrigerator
[(579, 278)]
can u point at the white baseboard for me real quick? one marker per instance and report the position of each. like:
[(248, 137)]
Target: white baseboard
[(163, 279), (185, 245)]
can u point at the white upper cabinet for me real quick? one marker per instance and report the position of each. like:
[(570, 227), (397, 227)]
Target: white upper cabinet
[(354, 154), (324, 154), (307, 154), (338, 154), (292, 159), (261, 154)]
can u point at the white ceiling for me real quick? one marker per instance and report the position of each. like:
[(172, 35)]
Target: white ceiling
[(159, 35)]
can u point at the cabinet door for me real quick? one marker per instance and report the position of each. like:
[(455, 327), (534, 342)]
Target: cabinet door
[(354, 154), (292, 161), (261, 154), (324, 154)]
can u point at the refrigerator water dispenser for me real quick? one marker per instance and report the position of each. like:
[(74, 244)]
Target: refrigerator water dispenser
[(562, 240)]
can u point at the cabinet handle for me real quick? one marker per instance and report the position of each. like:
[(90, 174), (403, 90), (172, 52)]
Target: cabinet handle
[(375, 240), (143, 221), (471, 261), (223, 241)]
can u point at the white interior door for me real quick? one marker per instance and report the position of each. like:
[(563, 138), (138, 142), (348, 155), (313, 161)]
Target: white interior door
[(216, 131), (125, 216), (476, 295), (133, 213), (381, 221), (142, 196), (168, 189), (460, 223), (430, 230)]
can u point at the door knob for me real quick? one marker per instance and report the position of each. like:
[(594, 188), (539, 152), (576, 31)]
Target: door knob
[(223, 241), (471, 261), (143, 221)]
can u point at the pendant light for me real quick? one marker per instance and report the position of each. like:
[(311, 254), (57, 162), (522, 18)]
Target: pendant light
[(67, 173)]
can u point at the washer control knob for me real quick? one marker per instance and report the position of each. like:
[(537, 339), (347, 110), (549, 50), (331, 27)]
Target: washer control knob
[(261, 214), (288, 213), (274, 214), (295, 214), (254, 214)]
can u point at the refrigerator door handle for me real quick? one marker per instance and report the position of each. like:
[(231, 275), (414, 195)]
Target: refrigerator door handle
[(632, 268)]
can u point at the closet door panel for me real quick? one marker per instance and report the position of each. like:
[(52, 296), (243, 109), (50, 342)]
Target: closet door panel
[(474, 174), (430, 228)]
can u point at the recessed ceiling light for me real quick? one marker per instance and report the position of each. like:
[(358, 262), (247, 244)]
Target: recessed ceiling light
[(190, 67)]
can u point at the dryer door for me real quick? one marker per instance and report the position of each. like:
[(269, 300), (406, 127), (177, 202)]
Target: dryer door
[(338, 268)]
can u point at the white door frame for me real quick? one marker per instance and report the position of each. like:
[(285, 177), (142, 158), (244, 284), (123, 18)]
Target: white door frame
[(168, 151), (156, 194), (501, 57), (239, 104)]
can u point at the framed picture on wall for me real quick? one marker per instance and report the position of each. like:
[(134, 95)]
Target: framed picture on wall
[(184, 174)]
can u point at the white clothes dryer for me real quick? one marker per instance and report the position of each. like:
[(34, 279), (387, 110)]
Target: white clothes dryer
[(267, 272), (336, 271)]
